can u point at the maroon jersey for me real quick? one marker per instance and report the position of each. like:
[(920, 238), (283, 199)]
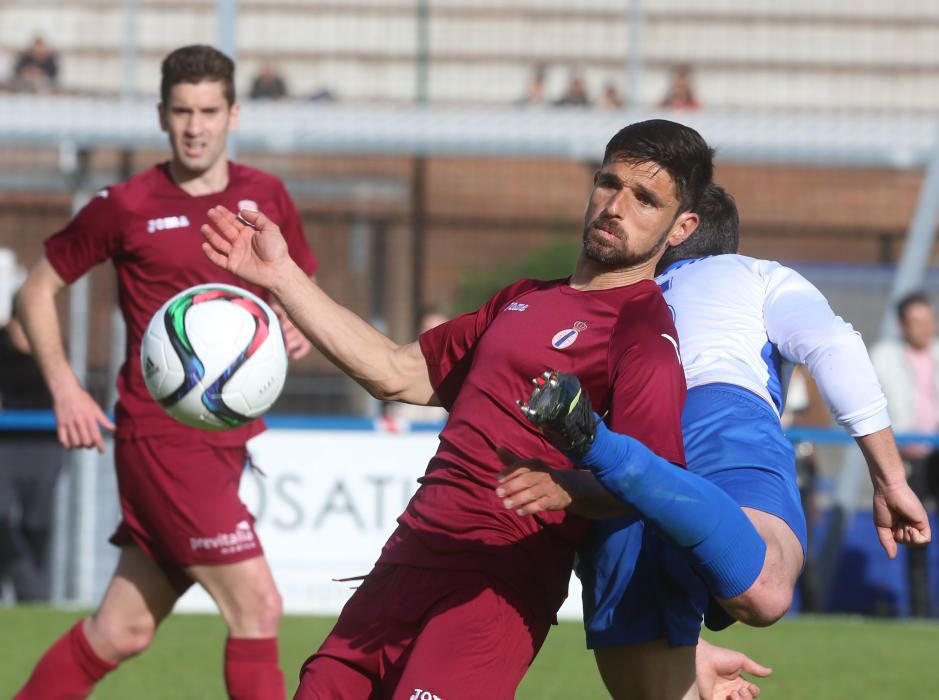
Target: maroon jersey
[(621, 344), (149, 228)]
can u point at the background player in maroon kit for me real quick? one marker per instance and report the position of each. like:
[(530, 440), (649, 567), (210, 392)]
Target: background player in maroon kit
[(178, 486), (464, 592)]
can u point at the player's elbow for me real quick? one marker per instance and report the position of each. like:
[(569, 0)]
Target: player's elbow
[(41, 285), (402, 377), (399, 390)]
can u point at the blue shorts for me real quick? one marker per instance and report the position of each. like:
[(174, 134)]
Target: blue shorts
[(637, 586)]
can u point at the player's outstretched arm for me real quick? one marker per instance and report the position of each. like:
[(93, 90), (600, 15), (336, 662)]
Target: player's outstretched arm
[(899, 515), (78, 417), (251, 246), (296, 344), (719, 673)]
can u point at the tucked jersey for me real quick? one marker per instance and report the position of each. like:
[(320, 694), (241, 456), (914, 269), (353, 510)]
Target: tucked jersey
[(149, 227), (739, 317), (620, 342)]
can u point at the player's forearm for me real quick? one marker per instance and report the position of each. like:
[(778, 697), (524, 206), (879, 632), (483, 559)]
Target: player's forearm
[(590, 499), (883, 459), (386, 370), (37, 311)]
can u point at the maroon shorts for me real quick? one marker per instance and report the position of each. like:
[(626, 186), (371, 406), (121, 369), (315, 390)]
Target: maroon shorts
[(425, 634), (180, 504)]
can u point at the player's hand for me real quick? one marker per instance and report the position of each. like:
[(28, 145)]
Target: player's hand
[(719, 673), (900, 518), (530, 486), (561, 409), (296, 344), (248, 245), (79, 419)]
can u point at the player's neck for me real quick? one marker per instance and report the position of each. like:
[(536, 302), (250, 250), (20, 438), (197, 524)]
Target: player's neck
[(197, 184), (591, 276)]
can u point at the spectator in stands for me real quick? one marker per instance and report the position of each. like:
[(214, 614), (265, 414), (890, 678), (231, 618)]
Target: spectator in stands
[(37, 68), (576, 93), (610, 99), (268, 84), (680, 94), (908, 369), (535, 91), (30, 463), (323, 94)]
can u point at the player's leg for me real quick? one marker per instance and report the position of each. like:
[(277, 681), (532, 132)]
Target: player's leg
[(770, 595), (248, 599), (643, 604), (181, 498), (476, 641), (373, 630), (733, 440), (723, 426), (693, 513), (649, 671), (138, 598)]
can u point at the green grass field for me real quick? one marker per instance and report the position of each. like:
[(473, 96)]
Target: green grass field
[(817, 658)]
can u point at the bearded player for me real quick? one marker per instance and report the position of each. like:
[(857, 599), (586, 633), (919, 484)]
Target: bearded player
[(178, 486), (464, 592)]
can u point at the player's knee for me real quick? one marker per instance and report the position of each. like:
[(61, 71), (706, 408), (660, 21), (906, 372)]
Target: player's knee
[(764, 606), (259, 611), (271, 607), (124, 638)]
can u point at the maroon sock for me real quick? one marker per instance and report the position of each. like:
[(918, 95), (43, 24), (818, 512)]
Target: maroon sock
[(251, 670), (67, 671)]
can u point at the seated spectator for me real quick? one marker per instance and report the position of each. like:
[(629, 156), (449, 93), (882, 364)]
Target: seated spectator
[(268, 84), (323, 94), (680, 93), (610, 99), (576, 93), (535, 91), (37, 68)]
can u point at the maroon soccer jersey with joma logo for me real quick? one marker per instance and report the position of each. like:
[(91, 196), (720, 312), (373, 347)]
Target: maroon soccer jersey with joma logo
[(620, 342), (150, 228)]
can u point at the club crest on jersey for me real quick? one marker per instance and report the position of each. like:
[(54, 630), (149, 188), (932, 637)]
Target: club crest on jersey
[(564, 339)]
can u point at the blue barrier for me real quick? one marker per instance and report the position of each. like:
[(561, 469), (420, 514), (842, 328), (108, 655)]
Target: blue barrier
[(29, 421), (44, 421)]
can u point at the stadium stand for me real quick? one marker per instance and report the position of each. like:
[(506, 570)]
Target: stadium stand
[(830, 55)]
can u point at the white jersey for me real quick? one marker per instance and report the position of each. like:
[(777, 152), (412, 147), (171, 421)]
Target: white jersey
[(738, 318)]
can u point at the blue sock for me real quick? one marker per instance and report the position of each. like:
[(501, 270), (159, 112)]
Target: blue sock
[(698, 516)]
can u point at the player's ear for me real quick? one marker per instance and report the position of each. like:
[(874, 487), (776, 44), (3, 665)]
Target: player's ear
[(233, 114), (161, 113), (684, 226)]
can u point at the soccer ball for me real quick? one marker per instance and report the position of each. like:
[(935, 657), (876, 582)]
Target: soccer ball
[(213, 357)]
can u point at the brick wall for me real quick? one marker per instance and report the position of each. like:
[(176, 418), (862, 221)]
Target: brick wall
[(484, 211)]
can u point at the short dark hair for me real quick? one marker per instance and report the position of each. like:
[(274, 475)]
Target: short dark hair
[(718, 229), (679, 149), (195, 64), (917, 297)]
